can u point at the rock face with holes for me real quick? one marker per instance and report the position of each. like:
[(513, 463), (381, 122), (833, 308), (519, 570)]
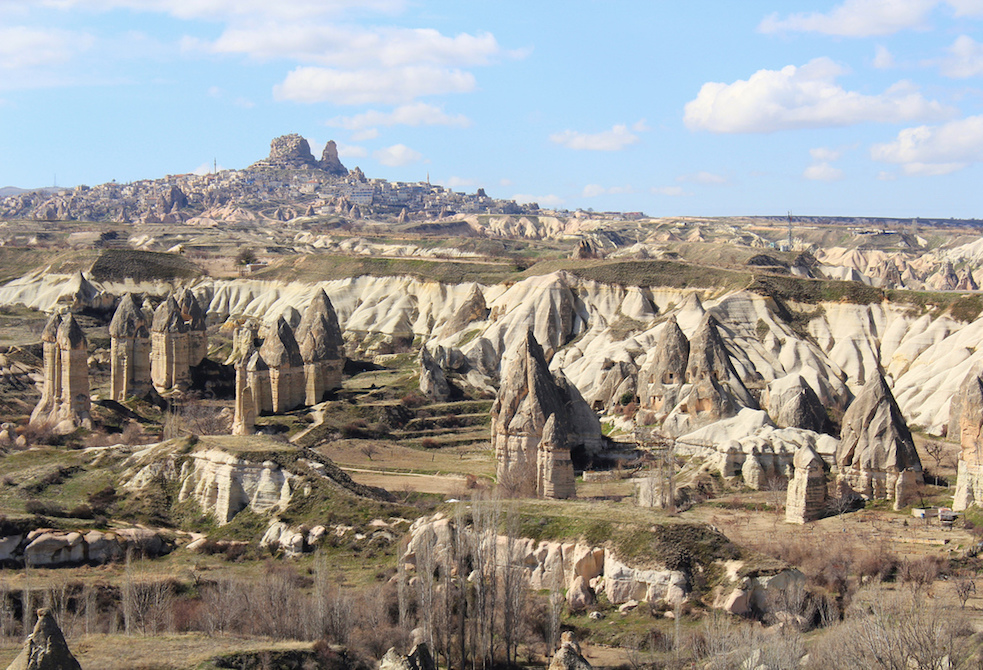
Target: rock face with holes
[(807, 494), (129, 350), (969, 482), (876, 456), (664, 372), (529, 395)]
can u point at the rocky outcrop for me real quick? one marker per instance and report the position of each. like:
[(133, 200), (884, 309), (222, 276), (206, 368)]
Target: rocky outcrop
[(45, 648), (527, 397), (49, 547), (330, 162), (321, 348), (80, 295), (876, 456), (65, 401), (568, 656), (433, 381), (223, 485), (289, 152), (969, 478), (194, 319), (244, 412), (281, 354), (472, 310), (554, 469), (419, 658), (129, 350), (792, 403), (807, 494)]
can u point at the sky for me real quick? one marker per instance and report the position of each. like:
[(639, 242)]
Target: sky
[(705, 108)]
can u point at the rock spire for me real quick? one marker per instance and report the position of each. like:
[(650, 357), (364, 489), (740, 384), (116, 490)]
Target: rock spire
[(807, 494), (876, 455), (45, 648), (129, 350), (322, 348), (969, 480)]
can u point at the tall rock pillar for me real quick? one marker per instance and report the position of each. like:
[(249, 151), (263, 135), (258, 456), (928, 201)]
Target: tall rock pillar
[(169, 351), (807, 494), (47, 407), (286, 368), (74, 353), (129, 350), (321, 347)]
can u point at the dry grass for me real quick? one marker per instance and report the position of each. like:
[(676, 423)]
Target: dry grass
[(165, 652)]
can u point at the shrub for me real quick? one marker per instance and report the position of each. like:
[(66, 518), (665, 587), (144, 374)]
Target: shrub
[(429, 443), (413, 400), (44, 508)]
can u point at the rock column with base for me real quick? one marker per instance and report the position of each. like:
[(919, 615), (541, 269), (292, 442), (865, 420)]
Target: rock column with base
[(75, 401), (130, 350), (807, 495), (47, 407), (969, 480), (321, 347), (554, 470)]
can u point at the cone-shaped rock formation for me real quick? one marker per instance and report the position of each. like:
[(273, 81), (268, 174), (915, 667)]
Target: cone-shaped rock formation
[(45, 648)]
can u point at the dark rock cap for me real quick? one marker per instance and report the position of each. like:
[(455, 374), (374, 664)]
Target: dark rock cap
[(70, 335), (167, 318), (280, 348), (128, 318)]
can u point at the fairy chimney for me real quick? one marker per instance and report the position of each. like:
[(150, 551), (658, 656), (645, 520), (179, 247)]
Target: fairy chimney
[(244, 416), (286, 368), (129, 350), (806, 498), (876, 456), (969, 421), (554, 470), (45, 648), (169, 366), (51, 390), (74, 353), (194, 318), (321, 348)]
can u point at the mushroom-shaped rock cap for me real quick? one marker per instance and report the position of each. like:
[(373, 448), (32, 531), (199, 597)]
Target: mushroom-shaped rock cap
[(128, 318), (321, 317), (50, 332), (70, 335), (191, 311), (45, 648), (280, 348), (806, 458), (553, 434), (167, 318), (256, 363)]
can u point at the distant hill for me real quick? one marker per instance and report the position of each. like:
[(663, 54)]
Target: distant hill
[(7, 191)]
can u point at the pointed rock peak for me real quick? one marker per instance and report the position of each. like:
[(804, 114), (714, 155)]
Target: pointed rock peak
[(127, 319), (167, 318), (45, 648), (191, 310), (320, 319), (330, 162), (280, 348), (256, 363), (691, 302), (806, 458), (874, 434), (533, 350), (50, 332), (70, 335), (553, 435)]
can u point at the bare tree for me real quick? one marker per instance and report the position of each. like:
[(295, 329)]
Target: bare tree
[(936, 451), (556, 584), (485, 515), (514, 585), (964, 587), (426, 566)]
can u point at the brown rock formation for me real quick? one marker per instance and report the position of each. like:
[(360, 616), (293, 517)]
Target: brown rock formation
[(876, 456), (321, 347), (330, 162), (792, 403), (289, 151), (433, 381), (568, 656), (472, 309), (45, 648), (129, 350), (286, 368), (65, 402), (527, 397), (807, 495), (969, 480), (194, 319), (554, 470), (169, 340)]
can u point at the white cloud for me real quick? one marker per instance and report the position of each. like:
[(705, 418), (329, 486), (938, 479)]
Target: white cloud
[(856, 18), (615, 139), (365, 135), (674, 191), (973, 8), (934, 150), (505, 181), (883, 59), (703, 177), (233, 9), (459, 182), (802, 97), (361, 87), (823, 172), (397, 155), (22, 47), (413, 114), (883, 175), (207, 168), (594, 190), (351, 151), (543, 200), (965, 59), (339, 45), (825, 154)]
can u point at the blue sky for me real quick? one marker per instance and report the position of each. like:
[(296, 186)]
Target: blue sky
[(859, 107)]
